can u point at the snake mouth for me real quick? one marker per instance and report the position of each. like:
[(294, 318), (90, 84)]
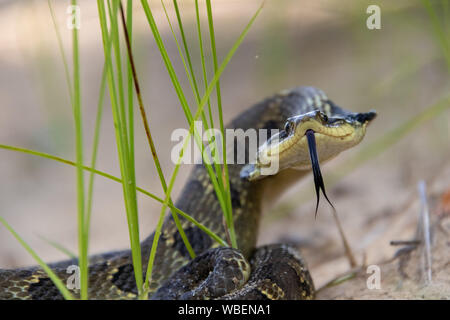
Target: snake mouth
[(327, 131), (344, 130), (339, 126)]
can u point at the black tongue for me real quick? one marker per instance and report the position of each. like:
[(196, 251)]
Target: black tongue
[(318, 180)]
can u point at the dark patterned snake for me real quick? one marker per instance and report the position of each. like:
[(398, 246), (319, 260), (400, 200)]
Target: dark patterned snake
[(271, 272)]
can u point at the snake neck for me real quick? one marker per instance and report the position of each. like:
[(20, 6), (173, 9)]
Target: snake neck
[(273, 187)]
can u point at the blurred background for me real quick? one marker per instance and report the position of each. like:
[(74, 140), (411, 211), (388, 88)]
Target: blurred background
[(399, 70)]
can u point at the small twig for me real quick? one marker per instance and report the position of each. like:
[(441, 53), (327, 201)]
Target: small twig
[(319, 185), (425, 218), (136, 85), (405, 242), (348, 250)]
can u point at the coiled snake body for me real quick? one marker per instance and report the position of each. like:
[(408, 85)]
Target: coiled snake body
[(275, 271)]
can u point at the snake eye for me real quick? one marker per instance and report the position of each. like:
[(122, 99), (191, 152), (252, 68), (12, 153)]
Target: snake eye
[(324, 116), (289, 126)]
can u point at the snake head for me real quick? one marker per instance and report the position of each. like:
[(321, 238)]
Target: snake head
[(334, 133)]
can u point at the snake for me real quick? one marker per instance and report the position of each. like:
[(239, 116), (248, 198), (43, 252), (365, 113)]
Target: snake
[(276, 271)]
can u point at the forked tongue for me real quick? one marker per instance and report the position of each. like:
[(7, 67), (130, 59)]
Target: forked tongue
[(318, 180)]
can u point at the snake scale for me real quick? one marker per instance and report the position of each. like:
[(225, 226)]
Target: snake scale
[(269, 272)]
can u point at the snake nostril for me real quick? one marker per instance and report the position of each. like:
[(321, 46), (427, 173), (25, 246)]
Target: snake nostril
[(366, 116), (323, 116)]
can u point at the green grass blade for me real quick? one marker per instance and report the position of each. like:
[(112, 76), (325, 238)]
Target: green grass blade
[(149, 135), (116, 179), (82, 243), (182, 100), (180, 94), (130, 89), (188, 115), (446, 10), (58, 283), (75, 98), (188, 68), (439, 30), (185, 45), (190, 73), (191, 76), (98, 120), (61, 50), (129, 188), (205, 81), (202, 57), (59, 247), (113, 10), (225, 177)]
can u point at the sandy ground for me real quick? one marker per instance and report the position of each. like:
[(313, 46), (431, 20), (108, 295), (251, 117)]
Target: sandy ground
[(396, 70), (405, 274)]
